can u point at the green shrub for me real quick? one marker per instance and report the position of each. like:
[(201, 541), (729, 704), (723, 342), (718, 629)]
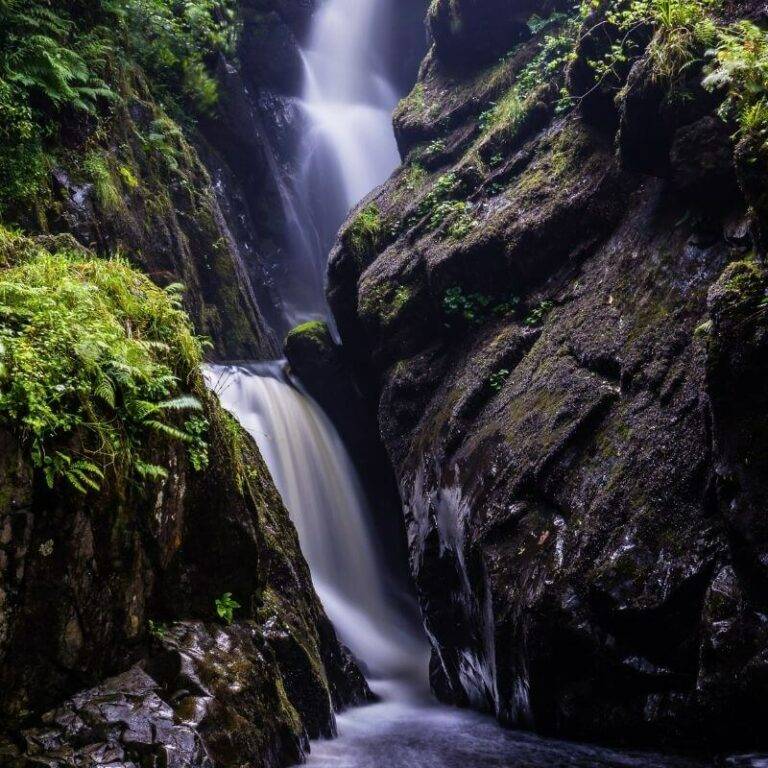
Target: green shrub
[(60, 60), (174, 41), (93, 359), (740, 66)]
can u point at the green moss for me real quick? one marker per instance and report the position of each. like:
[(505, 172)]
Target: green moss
[(105, 186), (365, 234), (414, 101), (384, 302), (314, 330)]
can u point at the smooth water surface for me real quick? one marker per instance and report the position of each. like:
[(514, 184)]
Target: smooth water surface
[(403, 732)]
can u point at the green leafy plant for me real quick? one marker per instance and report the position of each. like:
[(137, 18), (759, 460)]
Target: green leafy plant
[(196, 430), (740, 66), (435, 147), (476, 307), (497, 379), (536, 316), (225, 607), (471, 307), (444, 188), (92, 359), (157, 629), (680, 32)]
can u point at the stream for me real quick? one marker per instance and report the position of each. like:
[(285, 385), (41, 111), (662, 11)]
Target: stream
[(349, 149)]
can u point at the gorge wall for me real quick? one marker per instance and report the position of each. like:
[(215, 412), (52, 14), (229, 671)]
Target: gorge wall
[(559, 304)]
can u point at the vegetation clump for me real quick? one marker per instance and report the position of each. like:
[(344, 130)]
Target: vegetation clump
[(537, 314), (475, 308), (740, 65), (680, 30), (365, 234), (94, 358), (225, 607), (63, 62), (497, 379), (555, 51)]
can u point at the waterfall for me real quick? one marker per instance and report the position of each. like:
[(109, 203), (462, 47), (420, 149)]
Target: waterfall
[(320, 488), (348, 103), (347, 147)]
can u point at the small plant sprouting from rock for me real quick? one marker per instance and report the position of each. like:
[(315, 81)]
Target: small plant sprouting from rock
[(415, 176), (157, 629), (196, 429), (365, 234), (435, 147), (225, 607), (497, 379), (536, 316), (474, 308), (462, 224), (446, 187)]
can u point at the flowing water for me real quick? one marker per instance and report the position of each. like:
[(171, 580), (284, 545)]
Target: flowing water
[(348, 150)]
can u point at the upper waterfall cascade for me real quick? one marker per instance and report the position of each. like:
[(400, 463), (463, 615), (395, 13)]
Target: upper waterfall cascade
[(347, 146)]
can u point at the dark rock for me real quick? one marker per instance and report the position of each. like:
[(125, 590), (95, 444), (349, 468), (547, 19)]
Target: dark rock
[(571, 392), (121, 722), (476, 32), (81, 577), (701, 160)]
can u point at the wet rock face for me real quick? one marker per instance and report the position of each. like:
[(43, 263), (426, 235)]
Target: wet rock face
[(122, 722), (476, 32), (567, 357), (92, 585)]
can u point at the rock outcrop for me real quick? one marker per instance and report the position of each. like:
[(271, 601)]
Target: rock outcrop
[(94, 585), (563, 324), (153, 597)]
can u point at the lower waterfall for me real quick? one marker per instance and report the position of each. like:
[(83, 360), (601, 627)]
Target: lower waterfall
[(320, 488)]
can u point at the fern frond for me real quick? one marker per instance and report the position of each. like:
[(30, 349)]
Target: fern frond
[(168, 430), (182, 403)]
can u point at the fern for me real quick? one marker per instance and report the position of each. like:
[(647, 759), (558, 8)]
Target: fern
[(118, 385), (168, 430), (183, 403), (105, 391)]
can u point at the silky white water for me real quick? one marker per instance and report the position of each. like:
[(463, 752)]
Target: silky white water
[(348, 101), (322, 493)]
